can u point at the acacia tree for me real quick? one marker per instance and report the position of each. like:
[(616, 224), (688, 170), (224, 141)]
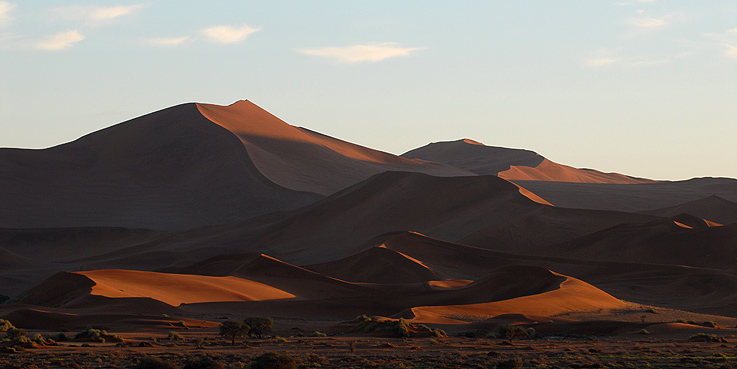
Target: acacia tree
[(234, 329), (259, 325)]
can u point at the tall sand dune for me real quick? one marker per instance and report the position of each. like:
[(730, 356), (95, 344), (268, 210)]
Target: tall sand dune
[(304, 160), (171, 169)]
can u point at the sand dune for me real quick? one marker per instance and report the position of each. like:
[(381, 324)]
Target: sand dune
[(572, 295), (304, 160), (548, 226), (379, 265), (712, 208), (511, 164), (171, 169), (631, 198), (171, 289), (664, 241)]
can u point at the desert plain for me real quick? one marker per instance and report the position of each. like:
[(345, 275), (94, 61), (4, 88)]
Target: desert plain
[(453, 255)]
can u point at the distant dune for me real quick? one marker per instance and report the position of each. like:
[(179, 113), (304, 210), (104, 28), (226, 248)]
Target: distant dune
[(511, 164)]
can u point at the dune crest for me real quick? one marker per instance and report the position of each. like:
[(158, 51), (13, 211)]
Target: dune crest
[(177, 289), (304, 160)]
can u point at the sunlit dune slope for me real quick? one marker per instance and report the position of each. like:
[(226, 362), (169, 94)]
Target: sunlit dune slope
[(302, 283), (171, 169), (171, 289), (304, 160), (511, 164), (571, 295)]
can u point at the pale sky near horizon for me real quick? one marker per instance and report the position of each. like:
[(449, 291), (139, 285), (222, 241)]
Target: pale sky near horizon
[(640, 87)]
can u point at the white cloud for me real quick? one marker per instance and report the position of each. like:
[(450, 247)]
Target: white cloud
[(733, 31), (5, 9), (229, 34), (643, 21), (115, 11), (373, 52), (167, 41), (60, 41), (98, 13), (600, 62), (730, 51)]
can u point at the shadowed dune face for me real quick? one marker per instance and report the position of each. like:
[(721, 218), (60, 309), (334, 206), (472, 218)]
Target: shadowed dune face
[(172, 169), (303, 160)]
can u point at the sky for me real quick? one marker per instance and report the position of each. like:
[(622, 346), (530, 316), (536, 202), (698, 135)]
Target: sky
[(642, 87)]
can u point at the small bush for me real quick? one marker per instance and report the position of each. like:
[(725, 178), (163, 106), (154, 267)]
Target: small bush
[(402, 328), (271, 360), (5, 325), (281, 340), (703, 337), (175, 336), (318, 334), (60, 337), (203, 363), (530, 332), (97, 335), (15, 333), (511, 332), (643, 331), (651, 311), (515, 363), (153, 362), (439, 333)]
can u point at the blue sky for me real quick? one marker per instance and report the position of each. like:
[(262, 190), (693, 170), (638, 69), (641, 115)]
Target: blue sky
[(646, 88)]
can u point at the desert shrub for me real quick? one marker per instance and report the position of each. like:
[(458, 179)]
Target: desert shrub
[(15, 333), (4, 298), (281, 340), (39, 339), (711, 324), (203, 363), (233, 329), (530, 332), (97, 335), (198, 342), (271, 360), (359, 319), (153, 362), (402, 328), (175, 336), (5, 325), (60, 337), (260, 325), (318, 334), (514, 363), (643, 331), (511, 332), (703, 337), (439, 333), (651, 311)]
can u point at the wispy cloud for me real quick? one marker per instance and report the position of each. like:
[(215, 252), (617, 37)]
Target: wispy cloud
[(5, 9), (724, 41), (60, 41), (229, 34), (607, 58), (373, 52), (643, 21), (167, 41), (98, 13), (730, 51)]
